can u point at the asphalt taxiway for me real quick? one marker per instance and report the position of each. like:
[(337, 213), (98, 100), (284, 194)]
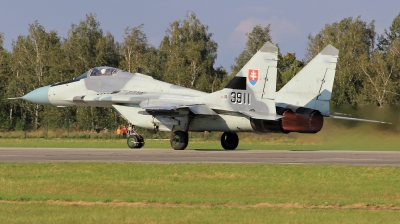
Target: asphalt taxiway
[(369, 158)]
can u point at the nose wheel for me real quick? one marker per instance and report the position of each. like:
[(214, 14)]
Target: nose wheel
[(179, 140), (229, 140), (135, 141)]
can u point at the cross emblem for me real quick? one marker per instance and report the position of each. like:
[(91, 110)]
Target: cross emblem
[(252, 75)]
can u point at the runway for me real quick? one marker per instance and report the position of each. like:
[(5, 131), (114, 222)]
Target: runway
[(369, 158)]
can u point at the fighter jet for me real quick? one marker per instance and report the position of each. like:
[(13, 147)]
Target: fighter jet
[(248, 103)]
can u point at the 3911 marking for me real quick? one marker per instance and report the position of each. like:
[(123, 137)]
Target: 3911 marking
[(240, 98)]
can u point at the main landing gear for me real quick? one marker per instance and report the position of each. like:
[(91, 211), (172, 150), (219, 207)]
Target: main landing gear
[(229, 140), (180, 139), (135, 141)]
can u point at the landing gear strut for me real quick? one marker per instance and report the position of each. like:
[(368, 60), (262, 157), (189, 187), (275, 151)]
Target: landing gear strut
[(229, 140), (135, 141), (179, 140)]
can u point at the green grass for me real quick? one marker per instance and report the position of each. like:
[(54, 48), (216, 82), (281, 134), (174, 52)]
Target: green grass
[(200, 183), (48, 213), (211, 193)]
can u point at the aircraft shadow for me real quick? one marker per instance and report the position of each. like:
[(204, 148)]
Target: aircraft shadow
[(221, 150)]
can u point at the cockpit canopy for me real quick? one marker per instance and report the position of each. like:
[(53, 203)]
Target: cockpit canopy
[(104, 71), (100, 71), (83, 76)]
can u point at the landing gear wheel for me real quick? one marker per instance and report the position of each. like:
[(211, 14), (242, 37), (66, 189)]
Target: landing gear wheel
[(229, 140), (179, 140), (135, 141), (141, 142)]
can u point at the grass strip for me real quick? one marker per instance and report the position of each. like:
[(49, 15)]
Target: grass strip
[(233, 205), (197, 193), (43, 212), (201, 183)]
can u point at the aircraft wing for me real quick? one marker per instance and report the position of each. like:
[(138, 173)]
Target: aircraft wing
[(107, 98), (171, 104), (149, 102), (160, 104), (261, 115)]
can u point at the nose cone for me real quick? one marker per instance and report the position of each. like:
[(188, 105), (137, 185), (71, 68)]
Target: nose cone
[(39, 96)]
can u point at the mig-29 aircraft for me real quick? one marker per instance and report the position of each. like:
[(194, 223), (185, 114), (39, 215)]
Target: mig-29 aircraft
[(248, 103)]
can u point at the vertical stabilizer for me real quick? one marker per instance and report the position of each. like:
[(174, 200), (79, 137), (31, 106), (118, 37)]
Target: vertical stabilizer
[(312, 86), (259, 73), (252, 91)]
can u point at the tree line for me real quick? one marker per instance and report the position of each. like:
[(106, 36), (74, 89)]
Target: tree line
[(368, 69)]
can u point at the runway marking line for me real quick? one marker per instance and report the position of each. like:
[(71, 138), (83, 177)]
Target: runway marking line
[(205, 205)]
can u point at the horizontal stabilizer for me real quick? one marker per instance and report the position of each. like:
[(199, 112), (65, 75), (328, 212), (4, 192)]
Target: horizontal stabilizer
[(357, 119)]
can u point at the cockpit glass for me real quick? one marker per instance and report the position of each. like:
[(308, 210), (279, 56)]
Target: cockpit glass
[(83, 76), (103, 71)]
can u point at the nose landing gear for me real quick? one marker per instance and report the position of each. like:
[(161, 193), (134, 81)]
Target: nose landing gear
[(135, 141)]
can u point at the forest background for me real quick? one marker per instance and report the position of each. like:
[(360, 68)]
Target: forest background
[(368, 70)]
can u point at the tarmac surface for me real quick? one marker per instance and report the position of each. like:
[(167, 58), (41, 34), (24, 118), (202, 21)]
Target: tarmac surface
[(369, 158)]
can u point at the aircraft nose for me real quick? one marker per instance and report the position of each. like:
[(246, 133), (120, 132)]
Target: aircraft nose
[(39, 96)]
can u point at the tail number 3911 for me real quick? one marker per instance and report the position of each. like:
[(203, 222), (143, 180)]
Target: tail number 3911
[(240, 98)]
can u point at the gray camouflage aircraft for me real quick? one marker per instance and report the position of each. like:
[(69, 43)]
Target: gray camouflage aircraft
[(249, 103)]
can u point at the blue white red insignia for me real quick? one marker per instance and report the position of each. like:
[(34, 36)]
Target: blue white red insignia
[(252, 75)]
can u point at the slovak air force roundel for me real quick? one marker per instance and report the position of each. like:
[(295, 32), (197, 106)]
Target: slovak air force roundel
[(252, 75)]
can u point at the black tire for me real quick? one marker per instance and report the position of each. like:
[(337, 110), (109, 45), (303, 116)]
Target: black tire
[(141, 142), (133, 141), (179, 140), (229, 140)]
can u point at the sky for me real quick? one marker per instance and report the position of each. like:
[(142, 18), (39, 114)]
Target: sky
[(229, 21)]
